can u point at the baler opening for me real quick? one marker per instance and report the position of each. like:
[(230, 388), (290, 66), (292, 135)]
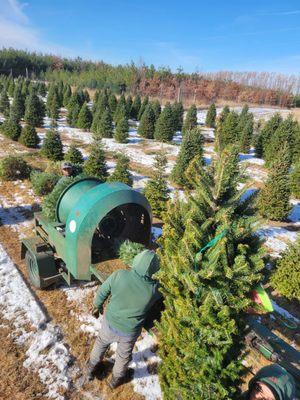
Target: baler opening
[(128, 221)]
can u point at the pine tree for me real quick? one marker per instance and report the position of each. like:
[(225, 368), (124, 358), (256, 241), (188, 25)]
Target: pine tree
[(136, 105), (17, 108), (74, 155), (104, 129), (4, 104), (11, 129), (286, 277), (147, 124), (34, 110), (295, 181), (229, 134), (121, 172), (191, 147), (156, 189), (266, 133), (211, 115), (121, 133), (52, 147), (273, 201), (190, 121), (84, 118), (29, 137), (178, 112), (205, 294), (112, 102), (95, 165), (143, 107), (164, 128)]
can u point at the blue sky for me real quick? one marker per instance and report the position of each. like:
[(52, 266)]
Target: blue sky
[(196, 35)]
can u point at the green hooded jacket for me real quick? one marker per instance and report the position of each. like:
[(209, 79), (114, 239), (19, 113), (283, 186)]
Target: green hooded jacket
[(278, 380), (133, 293)]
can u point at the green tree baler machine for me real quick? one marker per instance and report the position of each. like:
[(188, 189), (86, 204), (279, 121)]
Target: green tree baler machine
[(91, 217)]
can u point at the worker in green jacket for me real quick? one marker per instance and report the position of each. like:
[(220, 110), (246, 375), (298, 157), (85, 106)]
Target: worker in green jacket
[(67, 171), (132, 295), (272, 382)]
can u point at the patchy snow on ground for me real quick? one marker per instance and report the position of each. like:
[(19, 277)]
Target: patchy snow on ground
[(276, 238), (46, 354)]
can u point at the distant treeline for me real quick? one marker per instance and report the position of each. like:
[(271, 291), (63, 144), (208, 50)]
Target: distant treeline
[(148, 80)]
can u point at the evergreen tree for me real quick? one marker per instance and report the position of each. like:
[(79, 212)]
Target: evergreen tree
[(95, 165), (156, 109), (11, 129), (295, 181), (4, 104), (11, 88), (87, 98), (102, 103), (147, 124), (136, 105), (219, 127), (29, 137), (112, 102), (229, 134), (121, 172), (121, 134), (178, 112), (120, 112), (128, 106), (34, 110), (17, 108), (74, 155), (190, 121), (156, 189), (52, 104), (286, 277), (206, 294), (273, 201), (41, 89), (211, 115), (266, 133), (246, 135), (84, 118), (105, 128), (191, 147), (73, 107), (164, 128), (52, 147), (67, 95), (143, 107)]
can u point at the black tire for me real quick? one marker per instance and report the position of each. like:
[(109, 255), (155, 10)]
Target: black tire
[(33, 271)]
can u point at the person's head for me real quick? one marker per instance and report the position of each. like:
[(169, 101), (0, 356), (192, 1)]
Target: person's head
[(260, 391), (146, 264), (66, 169)]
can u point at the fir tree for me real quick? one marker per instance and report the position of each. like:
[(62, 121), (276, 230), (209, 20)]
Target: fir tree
[(112, 102), (246, 136), (219, 127), (29, 137), (229, 134), (121, 134), (156, 107), (178, 112), (190, 121), (286, 277), (156, 189), (73, 109), (129, 103), (147, 124), (41, 89), (295, 181), (136, 105), (95, 165), (273, 201), (120, 112), (164, 128), (266, 133), (52, 105), (104, 129), (74, 155), (52, 147), (210, 119), (11, 129), (34, 110), (121, 172), (84, 118), (206, 294), (17, 108), (191, 147), (143, 107), (67, 95), (4, 104)]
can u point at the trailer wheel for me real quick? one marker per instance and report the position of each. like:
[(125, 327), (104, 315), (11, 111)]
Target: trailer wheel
[(33, 270)]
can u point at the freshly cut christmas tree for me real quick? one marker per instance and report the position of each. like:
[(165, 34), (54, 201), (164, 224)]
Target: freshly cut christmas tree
[(205, 278)]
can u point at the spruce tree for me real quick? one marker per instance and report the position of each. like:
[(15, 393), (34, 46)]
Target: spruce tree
[(17, 108), (121, 133), (295, 181), (105, 128), (74, 155), (156, 189), (266, 133), (34, 110), (206, 293), (84, 120), (164, 128), (121, 172), (29, 137), (273, 201), (286, 277), (211, 115), (178, 112), (112, 102), (136, 105), (147, 124), (191, 147), (143, 107), (190, 120), (52, 147), (95, 165), (11, 129), (4, 103)]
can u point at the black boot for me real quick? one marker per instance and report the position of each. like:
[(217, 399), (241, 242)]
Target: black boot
[(115, 382), (88, 374)]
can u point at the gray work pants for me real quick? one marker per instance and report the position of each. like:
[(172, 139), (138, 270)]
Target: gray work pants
[(125, 344)]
